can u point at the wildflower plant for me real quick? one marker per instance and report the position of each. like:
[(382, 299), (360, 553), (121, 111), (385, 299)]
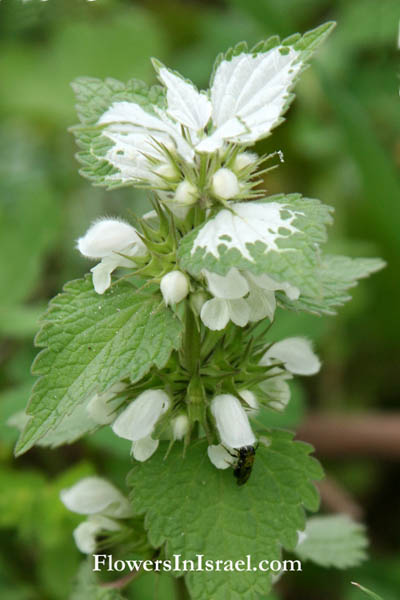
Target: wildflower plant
[(169, 342)]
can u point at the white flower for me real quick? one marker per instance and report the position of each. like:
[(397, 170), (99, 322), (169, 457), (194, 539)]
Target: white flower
[(180, 427), (108, 239), (248, 94), (138, 420), (174, 287), (232, 421), (296, 354), (220, 457), (251, 401), (87, 531), (101, 407), (95, 495), (241, 297), (225, 184)]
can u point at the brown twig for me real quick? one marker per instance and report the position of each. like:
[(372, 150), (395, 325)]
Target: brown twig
[(375, 435)]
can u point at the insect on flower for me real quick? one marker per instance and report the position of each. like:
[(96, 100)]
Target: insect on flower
[(244, 465)]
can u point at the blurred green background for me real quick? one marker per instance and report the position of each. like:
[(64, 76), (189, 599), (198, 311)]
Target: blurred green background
[(341, 143)]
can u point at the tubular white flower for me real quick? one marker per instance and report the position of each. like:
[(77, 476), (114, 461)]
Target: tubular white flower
[(220, 457), (225, 184), (215, 314), (251, 400), (95, 495), (138, 420), (180, 427), (106, 236), (101, 407), (174, 287), (232, 421), (144, 448), (297, 355), (186, 194), (105, 239), (86, 532)]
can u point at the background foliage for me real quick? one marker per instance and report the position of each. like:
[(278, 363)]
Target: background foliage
[(341, 143)]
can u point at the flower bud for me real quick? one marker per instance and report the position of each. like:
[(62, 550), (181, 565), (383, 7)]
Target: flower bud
[(168, 171), (232, 422), (244, 159), (95, 495), (174, 287), (186, 193), (225, 184), (101, 407), (180, 427), (106, 236)]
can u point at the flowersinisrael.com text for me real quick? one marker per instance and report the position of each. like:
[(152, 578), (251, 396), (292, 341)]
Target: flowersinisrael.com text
[(106, 562)]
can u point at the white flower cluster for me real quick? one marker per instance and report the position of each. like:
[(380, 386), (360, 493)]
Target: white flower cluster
[(162, 147), (104, 506), (138, 421)]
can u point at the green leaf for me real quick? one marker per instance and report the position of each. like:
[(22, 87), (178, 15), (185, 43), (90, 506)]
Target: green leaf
[(368, 592), (235, 239), (335, 276), (193, 508), (92, 342), (333, 541), (87, 587), (94, 97)]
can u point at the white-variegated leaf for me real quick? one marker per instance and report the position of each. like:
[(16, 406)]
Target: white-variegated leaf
[(251, 89), (278, 236), (185, 103)]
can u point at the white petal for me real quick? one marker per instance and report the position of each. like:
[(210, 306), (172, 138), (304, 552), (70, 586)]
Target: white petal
[(106, 236), (255, 89), (230, 286), (93, 495), (277, 391), (261, 303), (138, 420), (232, 422), (297, 355), (101, 274), (239, 311), (268, 283), (101, 407), (144, 448), (250, 399), (248, 223), (225, 184), (86, 532), (301, 537), (220, 457), (245, 159), (174, 287), (185, 103), (215, 314)]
